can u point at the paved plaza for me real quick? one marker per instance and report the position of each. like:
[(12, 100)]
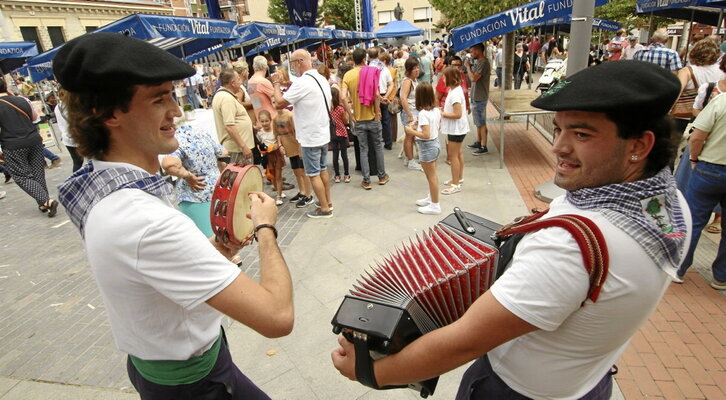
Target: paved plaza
[(56, 343)]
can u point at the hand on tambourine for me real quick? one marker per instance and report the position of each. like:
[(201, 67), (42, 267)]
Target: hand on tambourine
[(262, 209), (228, 250), (195, 182), (344, 358)]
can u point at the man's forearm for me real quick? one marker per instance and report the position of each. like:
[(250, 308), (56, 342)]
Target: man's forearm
[(274, 274)]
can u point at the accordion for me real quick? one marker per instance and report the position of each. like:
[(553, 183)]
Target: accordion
[(431, 282), (428, 283)]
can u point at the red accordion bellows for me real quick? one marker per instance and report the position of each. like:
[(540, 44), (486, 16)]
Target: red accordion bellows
[(442, 270)]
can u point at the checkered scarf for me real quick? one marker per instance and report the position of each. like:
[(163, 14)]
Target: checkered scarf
[(648, 210), (86, 187)]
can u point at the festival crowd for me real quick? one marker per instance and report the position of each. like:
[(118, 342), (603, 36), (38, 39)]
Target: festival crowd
[(122, 115)]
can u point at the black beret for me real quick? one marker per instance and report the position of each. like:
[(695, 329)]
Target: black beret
[(99, 61), (613, 86)]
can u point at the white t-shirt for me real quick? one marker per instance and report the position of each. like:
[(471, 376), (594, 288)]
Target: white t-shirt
[(155, 270), (432, 118), (60, 116), (312, 122), (267, 138), (545, 286), (383, 80), (458, 126)]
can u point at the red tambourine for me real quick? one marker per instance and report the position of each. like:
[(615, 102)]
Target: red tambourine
[(231, 203)]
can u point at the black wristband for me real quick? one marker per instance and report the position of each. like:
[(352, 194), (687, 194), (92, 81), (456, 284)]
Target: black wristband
[(260, 226), (224, 159), (696, 160)]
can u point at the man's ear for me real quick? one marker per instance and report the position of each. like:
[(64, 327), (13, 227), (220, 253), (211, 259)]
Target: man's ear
[(113, 121), (642, 146)]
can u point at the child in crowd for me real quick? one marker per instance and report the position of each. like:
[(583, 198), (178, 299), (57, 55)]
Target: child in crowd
[(426, 133), (339, 143), (271, 150), (454, 123), (284, 129)]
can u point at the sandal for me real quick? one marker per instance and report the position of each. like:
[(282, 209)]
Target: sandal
[(52, 209), (43, 208), (713, 227)]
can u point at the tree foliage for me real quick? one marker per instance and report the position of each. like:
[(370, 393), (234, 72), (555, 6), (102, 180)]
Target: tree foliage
[(277, 11), (460, 12), (340, 13)]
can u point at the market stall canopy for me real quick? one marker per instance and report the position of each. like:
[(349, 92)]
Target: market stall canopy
[(511, 20), (703, 11), (185, 37), (14, 54), (309, 36), (276, 34), (248, 34), (400, 28)]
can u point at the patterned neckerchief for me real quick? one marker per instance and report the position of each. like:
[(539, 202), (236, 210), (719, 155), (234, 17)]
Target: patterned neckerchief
[(647, 210), (87, 186)]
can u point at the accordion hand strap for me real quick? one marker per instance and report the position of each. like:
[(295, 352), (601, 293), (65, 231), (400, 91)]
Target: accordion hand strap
[(587, 235), (364, 364)]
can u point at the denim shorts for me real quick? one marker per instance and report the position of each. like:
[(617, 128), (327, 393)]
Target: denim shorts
[(479, 112), (428, 150), (315, 159)]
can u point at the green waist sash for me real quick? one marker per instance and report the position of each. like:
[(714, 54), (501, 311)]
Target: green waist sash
[(178, 372)]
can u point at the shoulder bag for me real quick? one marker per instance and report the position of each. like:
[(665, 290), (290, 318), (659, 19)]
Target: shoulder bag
[(683, 108), (330, 117)]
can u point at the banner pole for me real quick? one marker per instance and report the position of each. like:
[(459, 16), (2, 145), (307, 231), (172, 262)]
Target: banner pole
[(580, 35)]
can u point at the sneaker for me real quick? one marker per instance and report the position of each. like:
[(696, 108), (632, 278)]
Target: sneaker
[(452, 189), (287, 186), (384, 180), (283, 195), (304, 202), (330, 205), (431, 209), (365, 185), (413, 164), (296, 198), (318, 213), (337, 179), (480, 151), (678, 278), (405, 161), (474, 145), (448, 183), (279, 201), (346, 179), (424, 202), (718, 285)]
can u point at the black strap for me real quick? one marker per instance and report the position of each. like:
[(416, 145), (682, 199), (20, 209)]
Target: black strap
[(324, 99), (364, 364), (709, 92)]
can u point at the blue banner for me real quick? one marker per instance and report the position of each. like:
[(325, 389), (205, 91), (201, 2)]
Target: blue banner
[(596, 23), (302, 12), (277, 35), (367, 15), (511, 20), (646, 6), (213, 9), (184, 37), (13, 54)]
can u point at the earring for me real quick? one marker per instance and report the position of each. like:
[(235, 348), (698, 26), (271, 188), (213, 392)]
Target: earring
[(633, 157)]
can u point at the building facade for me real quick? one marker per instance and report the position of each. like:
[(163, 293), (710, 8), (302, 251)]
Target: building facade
[(418, 12), (50, 23)]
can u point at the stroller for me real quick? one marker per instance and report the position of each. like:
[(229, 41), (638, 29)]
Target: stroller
[(554, 71)]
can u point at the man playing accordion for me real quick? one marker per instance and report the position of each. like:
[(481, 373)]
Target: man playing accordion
[(535, 333)]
